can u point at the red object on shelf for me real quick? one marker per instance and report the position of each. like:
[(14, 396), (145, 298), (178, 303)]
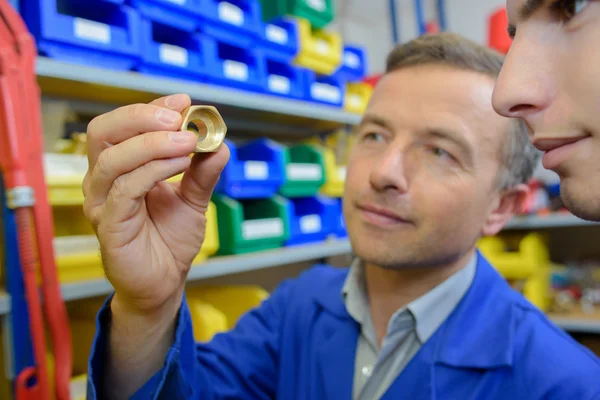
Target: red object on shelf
[(21, 163), (498, 37), (432, 27), (372, 80)]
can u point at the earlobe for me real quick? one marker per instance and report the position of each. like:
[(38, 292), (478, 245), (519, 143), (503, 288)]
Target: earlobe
[(508, 204)]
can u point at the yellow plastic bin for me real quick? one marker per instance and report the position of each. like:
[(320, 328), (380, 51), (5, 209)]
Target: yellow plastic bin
[(207, 320), (75, 245), (357, 97), (523, 258), (232, 301), (320, 50), (335, 175)]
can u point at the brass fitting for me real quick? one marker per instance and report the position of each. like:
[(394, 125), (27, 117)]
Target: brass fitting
[(211, 128)]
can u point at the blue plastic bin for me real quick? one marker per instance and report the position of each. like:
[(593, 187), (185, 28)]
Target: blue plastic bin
[(284, 79), (324, 89), (182, 14), (354, 64), (312, 219), (281, 37), (241, 17), (169, 51), (255, 170), (341, 231), (234, 62), (99, 33)]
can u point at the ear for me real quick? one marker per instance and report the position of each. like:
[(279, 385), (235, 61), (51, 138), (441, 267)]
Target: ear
[(506, 205)]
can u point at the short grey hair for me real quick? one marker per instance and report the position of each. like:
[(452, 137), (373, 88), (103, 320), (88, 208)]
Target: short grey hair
[(519, 157)]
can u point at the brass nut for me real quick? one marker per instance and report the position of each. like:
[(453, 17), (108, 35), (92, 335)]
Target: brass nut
[(211, 127)]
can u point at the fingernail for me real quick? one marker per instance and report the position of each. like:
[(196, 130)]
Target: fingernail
[(167, 116), (182, 137), (175, 101)]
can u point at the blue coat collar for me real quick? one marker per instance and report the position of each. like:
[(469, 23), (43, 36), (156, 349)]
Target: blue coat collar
[(477, 334)]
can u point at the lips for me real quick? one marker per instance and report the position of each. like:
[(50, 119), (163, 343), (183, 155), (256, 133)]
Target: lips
[(557, 151), (381, 216)]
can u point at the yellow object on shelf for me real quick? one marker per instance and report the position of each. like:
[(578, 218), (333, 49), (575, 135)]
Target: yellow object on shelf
[(335, 175), (357, 97), (320, 50), (232, 301), (207, 320), (530, 263), (79, 387)]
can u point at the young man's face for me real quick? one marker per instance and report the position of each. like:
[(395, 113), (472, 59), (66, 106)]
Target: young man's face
[(421, 180), (551, 79)]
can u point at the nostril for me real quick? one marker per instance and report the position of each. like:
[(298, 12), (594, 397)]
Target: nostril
[(519, 109)]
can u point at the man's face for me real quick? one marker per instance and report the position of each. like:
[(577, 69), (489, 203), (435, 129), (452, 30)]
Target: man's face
[(551, 79), (421, 179)]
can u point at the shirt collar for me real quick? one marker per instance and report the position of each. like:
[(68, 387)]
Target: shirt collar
[(429, 310)]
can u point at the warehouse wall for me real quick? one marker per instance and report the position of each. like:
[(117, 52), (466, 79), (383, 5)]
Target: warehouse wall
[(364, 23)]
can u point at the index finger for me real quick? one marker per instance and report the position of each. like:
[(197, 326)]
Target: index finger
[(114, 127)]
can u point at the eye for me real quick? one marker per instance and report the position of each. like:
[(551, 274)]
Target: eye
[(372, 137), (567, 9), (441, 153)]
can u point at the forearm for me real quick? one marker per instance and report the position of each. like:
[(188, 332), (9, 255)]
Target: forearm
[(137, 346)]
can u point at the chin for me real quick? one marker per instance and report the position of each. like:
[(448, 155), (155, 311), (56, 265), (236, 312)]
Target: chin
[(582, 198)]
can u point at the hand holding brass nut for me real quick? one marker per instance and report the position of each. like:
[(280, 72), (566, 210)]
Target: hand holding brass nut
[(209, 127)]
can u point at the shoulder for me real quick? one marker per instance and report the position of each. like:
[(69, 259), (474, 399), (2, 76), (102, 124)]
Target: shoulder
[(550, 358)]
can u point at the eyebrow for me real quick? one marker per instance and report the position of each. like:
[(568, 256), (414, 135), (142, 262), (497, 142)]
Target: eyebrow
[(376, 120), (525, 12)]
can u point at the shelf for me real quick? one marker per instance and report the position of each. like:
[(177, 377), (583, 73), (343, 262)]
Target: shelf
[(215, 267), (578, 322), (241, 109), (559, 220)]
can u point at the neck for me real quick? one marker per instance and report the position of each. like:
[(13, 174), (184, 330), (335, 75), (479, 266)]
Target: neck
[(389, 290)]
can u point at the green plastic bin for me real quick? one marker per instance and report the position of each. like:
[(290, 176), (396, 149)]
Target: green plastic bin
[(318, 12), (304, 171), (251, 225)]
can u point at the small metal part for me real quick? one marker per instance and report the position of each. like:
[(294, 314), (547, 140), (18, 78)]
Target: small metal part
[(211, 128), (20, 196)]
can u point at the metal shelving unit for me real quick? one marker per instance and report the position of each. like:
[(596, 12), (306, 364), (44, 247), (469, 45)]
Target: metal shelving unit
[(241, 109), (577, 325), (215, 267), (559, 220)]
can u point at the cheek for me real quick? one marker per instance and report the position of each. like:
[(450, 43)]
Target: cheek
[(357, 176), (582, 85), (446, 204)]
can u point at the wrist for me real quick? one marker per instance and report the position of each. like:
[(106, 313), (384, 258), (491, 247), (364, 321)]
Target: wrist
[(124, 310)]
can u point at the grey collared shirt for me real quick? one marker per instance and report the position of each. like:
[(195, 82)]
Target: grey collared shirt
[(376, 368)]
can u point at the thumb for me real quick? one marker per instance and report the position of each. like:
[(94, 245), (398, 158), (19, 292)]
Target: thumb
[(200, 179)]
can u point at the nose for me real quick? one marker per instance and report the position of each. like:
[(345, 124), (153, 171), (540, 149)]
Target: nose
[(524, 86), (389, 172)]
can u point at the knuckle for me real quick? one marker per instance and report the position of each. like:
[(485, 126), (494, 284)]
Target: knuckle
[(92, 127), (149, 141), (138, 110), (119, 187), (90, 212), (103, 165)]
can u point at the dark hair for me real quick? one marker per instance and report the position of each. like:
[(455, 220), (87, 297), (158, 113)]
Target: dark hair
[(519, 156)]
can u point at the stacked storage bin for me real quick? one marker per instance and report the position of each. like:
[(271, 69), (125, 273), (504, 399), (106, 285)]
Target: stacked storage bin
[(252, 216), (313, 217), (353, 71), (101, 33), (216, 309)]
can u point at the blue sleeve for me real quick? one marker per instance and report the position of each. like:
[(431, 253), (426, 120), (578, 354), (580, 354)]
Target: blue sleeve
[(239, 364)]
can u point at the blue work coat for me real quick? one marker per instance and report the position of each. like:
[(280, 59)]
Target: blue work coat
[(301, 343)]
